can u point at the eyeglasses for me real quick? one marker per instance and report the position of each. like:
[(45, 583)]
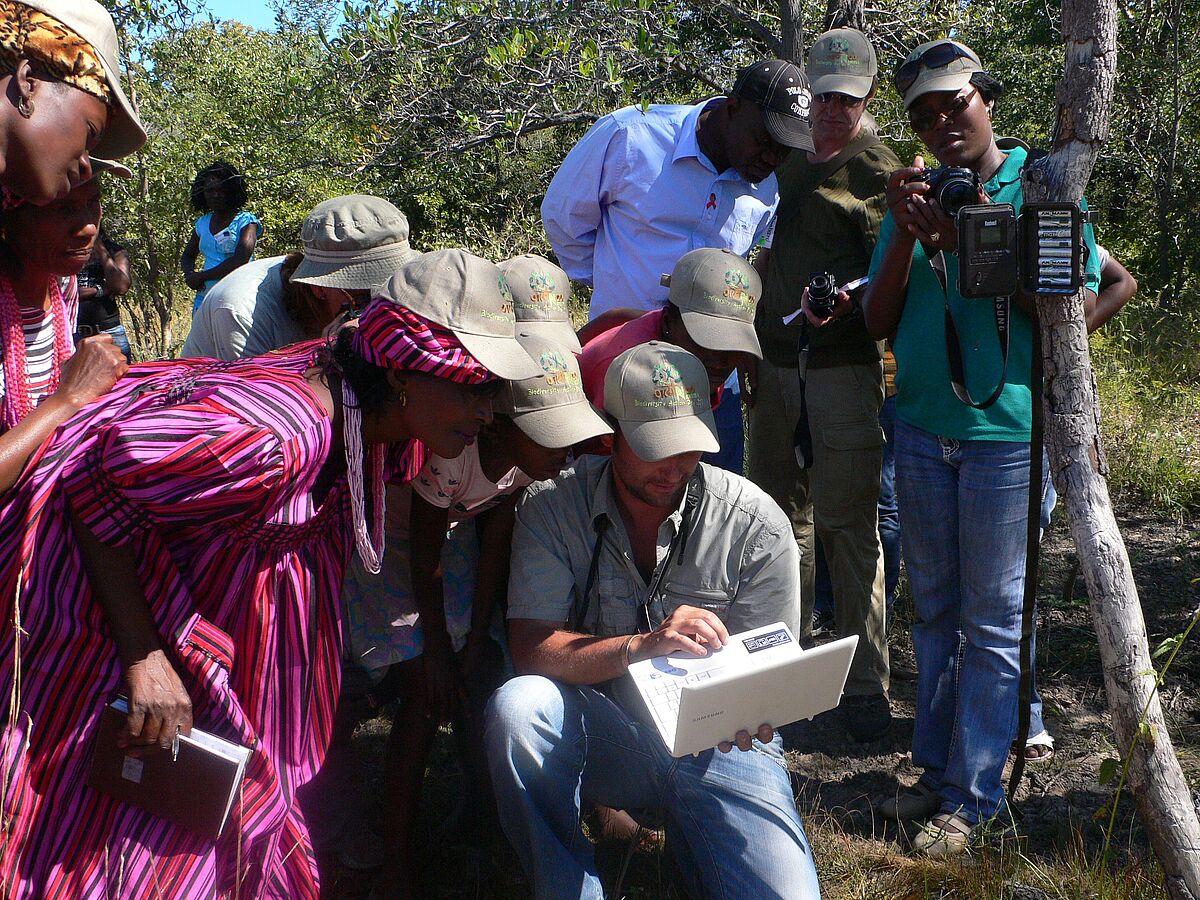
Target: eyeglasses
[(936, 57), (831, 97), (926, 118)]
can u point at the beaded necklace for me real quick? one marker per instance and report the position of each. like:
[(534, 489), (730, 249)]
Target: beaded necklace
[(17, 402), (370, 547)]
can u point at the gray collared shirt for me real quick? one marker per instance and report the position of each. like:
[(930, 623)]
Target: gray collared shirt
[(739, 559)]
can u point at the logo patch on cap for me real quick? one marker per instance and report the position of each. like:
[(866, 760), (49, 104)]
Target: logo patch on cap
[(801, 100), (669, 389), (737, 291), (542, 292), (554, 364)]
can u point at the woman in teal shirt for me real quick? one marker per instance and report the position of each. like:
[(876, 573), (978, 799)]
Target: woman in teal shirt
[(962, 473)]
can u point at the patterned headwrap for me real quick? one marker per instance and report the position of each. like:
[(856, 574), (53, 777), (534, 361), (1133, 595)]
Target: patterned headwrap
[(27, 33), (394, 337)]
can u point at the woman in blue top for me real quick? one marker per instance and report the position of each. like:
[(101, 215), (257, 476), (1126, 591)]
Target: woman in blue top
[(962, 473), (225, 235)]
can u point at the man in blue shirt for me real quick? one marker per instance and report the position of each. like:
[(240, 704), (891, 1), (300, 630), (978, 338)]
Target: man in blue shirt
[(645, 186)]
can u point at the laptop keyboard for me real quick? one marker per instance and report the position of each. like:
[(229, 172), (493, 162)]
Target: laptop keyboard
[(663, 695)]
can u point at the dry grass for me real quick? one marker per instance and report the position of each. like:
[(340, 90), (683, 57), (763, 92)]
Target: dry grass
[(857, 868)]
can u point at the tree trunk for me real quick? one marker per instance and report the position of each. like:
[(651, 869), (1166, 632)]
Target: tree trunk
[(791, 27), (1077, 460), (844, 14)]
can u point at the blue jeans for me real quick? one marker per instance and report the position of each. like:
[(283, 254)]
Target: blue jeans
[(1049, 500), (731, 818), (964, 505), (731, 432), (120, 338), (889, 510)]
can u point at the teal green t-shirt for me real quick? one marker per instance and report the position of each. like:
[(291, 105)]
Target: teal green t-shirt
[(924, 397)]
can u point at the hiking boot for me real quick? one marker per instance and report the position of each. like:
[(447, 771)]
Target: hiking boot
[(917, 802), (944, 836), (868, 717)]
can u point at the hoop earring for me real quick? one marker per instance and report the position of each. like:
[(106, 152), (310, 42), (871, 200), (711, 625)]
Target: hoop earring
[(403, 398), (25, 107)]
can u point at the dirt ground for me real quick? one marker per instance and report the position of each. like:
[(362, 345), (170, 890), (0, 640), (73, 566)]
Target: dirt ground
[(838, 782)]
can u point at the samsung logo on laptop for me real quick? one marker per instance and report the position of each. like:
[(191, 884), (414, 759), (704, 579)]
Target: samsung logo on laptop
[(765, 641)]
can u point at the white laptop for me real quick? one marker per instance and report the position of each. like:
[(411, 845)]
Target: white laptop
[(761, 675)]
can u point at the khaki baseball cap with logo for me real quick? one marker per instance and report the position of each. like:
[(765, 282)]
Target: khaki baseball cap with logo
[(552, 410), (716, 292), (124, 132), (541, 298), (468, 295), (659, 394), (943, 65), (842, 61)]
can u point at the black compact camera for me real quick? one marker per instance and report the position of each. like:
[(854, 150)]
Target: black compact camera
[(822, 294), (952, 187)]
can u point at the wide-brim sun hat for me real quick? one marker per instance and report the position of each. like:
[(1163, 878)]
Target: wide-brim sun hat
[(124, 132), (355, 242)]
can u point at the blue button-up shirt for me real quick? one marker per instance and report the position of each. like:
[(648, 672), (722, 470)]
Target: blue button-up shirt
[(636, 193)]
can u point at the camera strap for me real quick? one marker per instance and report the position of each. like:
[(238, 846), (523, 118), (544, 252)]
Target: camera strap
[(576, 620), (802, 442), (954, 356)]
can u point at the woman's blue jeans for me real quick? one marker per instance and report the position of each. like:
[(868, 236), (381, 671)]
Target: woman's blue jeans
[(964, 505)]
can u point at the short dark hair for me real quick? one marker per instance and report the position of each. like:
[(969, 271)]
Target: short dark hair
[(990, 88), (232, 181)]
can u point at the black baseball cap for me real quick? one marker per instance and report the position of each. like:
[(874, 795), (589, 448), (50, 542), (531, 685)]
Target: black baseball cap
[(782, 93)]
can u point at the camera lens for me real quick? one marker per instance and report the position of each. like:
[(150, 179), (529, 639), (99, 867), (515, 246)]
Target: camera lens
[(822, 294), (955, 194), (954, 188)]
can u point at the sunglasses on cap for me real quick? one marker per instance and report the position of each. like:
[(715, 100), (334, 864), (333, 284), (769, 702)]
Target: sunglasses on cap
[(936, 57)]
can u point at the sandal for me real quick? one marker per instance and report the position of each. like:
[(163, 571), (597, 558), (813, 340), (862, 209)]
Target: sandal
[(1040, 748), (946, 834)]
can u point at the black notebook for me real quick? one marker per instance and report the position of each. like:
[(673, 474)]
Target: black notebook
[(195, 788)]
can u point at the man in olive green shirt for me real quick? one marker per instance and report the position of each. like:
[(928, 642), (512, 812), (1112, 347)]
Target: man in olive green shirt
[(831, 205)]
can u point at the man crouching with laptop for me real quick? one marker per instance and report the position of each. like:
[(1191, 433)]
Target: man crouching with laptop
[(624, 558)]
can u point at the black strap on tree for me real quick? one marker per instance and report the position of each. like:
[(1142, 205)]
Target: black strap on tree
[(1002, 306), (1032, 547)]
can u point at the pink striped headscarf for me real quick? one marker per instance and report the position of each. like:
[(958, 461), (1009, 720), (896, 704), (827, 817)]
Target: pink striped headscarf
[(395, 337)]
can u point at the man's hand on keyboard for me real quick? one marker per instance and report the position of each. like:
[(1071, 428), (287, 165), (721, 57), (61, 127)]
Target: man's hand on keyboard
[(688, 628), (766, 734)]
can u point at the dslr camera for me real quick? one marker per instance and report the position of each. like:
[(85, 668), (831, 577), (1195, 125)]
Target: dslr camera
[(952, 187), (822, 294)]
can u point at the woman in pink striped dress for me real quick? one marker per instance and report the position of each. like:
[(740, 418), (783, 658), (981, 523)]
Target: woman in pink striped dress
[(183, 540)]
